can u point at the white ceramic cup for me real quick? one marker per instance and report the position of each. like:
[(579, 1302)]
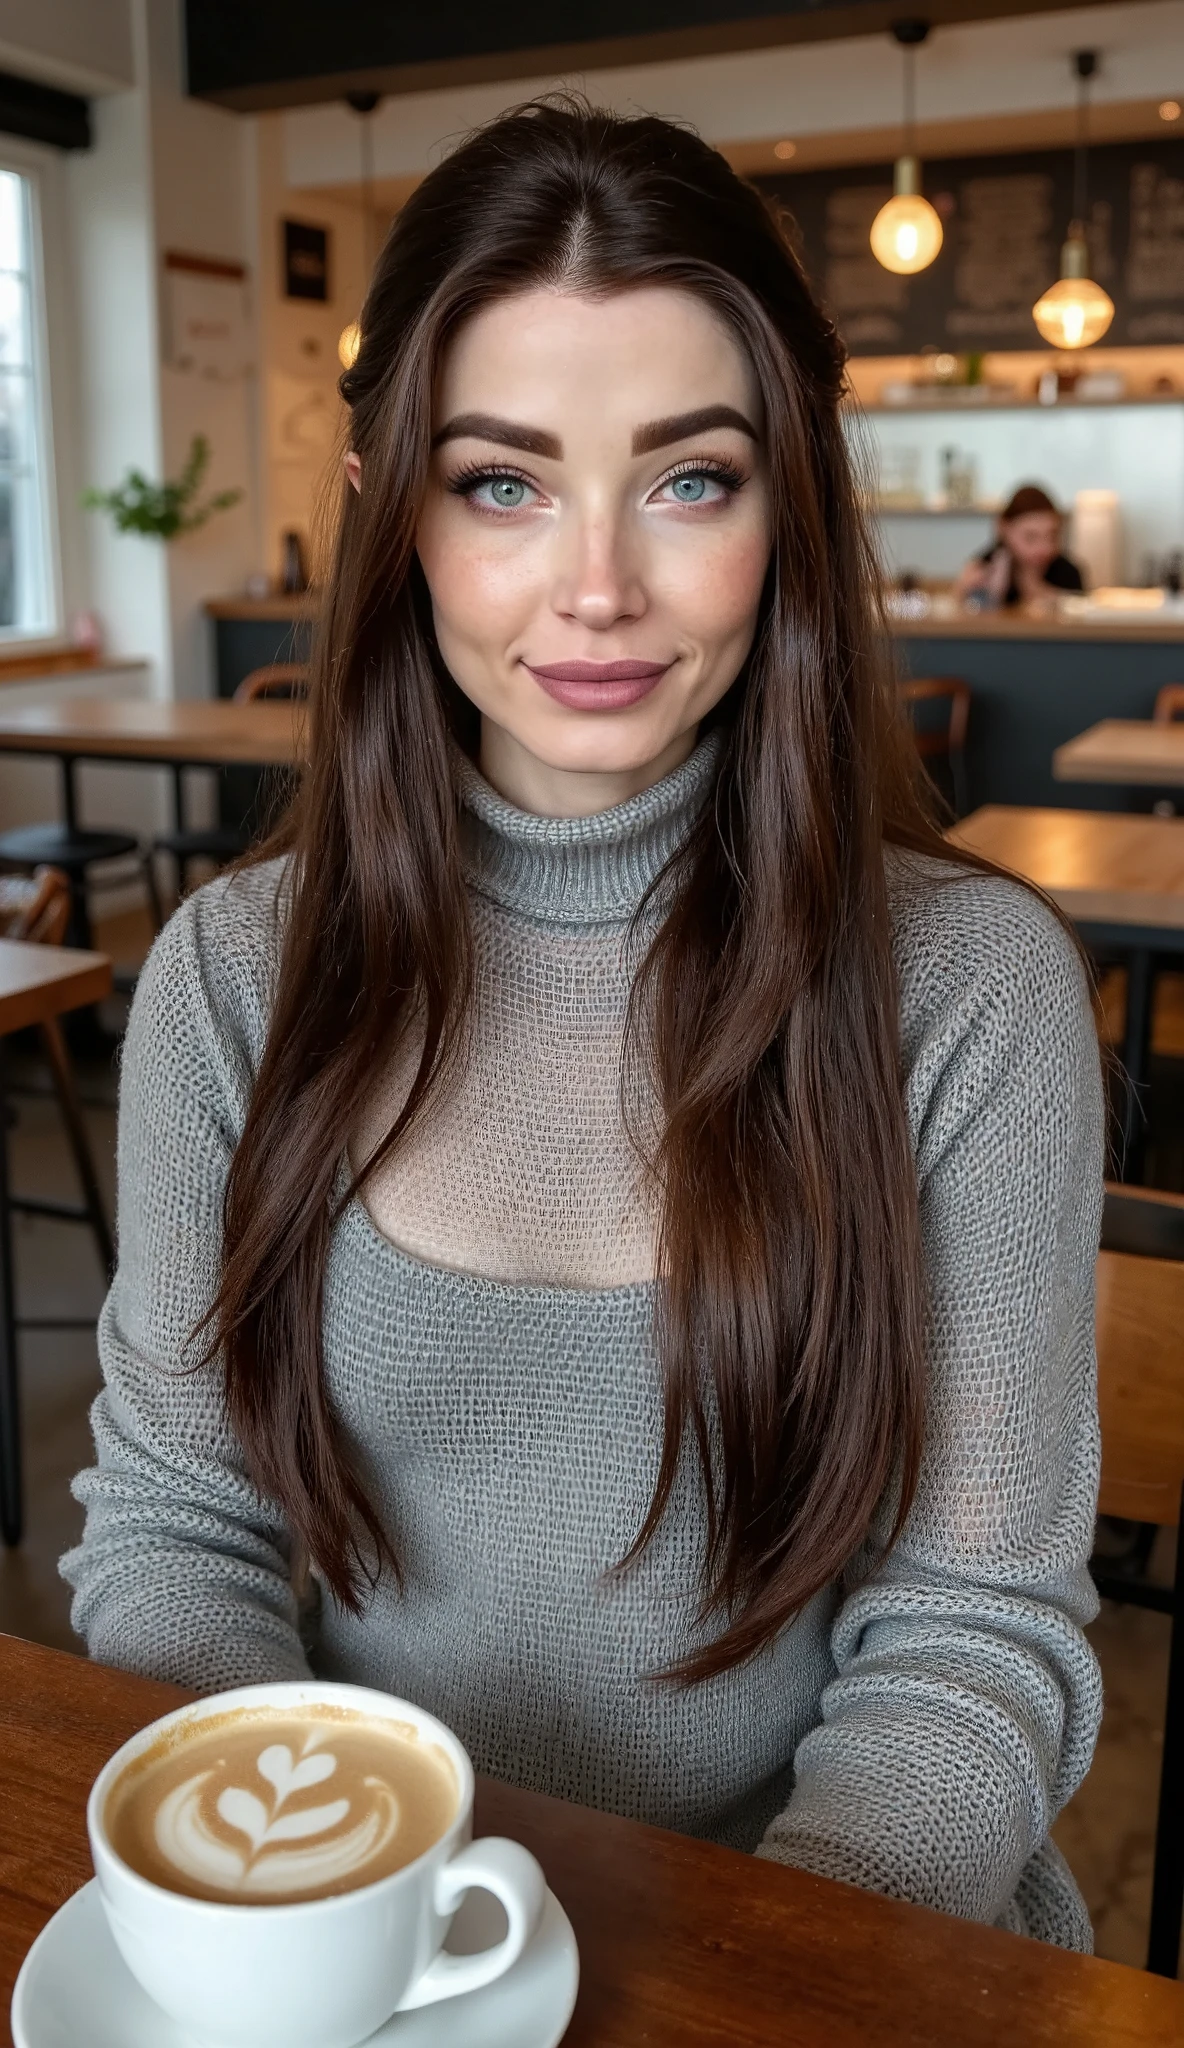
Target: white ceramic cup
[(318, 1973)]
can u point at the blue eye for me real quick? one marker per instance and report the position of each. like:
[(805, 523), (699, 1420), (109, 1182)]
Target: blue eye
[(493, 490), (704, 483), (506, 492)]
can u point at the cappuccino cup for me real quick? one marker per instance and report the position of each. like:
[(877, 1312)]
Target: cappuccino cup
[(280, 1865)]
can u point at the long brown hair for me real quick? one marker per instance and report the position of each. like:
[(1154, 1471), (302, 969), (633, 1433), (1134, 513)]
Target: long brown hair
[(789, 1306)]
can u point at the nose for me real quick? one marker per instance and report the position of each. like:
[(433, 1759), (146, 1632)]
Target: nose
[(598, 583)]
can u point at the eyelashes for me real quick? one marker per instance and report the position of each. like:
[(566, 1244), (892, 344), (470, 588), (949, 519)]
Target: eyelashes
[(468, 480), (715, 468), (465, 481)]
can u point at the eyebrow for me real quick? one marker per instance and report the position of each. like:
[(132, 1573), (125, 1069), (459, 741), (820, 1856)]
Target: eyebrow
[(681, 426), (486, 426)]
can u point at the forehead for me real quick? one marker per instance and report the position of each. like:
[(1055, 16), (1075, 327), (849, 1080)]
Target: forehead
[(633, 355)]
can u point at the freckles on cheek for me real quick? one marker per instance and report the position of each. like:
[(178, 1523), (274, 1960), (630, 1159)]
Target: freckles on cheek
[(725, 582), (471, 583)]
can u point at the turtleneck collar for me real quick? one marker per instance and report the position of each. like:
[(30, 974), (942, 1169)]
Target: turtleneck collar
[(580, 870)]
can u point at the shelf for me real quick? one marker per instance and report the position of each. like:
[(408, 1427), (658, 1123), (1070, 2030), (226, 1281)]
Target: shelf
[(935, 511), (927, 408)]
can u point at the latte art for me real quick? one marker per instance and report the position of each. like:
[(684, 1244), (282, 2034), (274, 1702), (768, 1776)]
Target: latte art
[(264, 1808), (237, 1841)]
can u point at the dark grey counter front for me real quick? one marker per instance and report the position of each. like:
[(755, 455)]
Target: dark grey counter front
[(1034, 686), (1031, 695)]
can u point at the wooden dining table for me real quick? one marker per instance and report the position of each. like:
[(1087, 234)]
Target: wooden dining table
[(205, 733), (1120, 877), (36, 983), (1135, 752), (202, 733), (682, 1944)]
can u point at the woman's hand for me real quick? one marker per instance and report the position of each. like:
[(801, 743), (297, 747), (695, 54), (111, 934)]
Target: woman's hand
[(997, 581)]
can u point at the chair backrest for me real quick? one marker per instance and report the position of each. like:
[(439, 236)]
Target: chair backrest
[(947, 739), (1140, 1323), (278, 679), (1169, 704), (35, 907)]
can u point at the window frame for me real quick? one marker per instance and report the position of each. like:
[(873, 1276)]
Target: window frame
[(37, 168)]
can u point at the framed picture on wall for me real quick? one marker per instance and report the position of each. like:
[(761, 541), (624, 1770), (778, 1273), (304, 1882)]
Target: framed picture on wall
[(306, 261)]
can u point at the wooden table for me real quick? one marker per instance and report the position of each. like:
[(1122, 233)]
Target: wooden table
[(682, 1945), (1120, 877), (1133, 751), (208, 733), (36, 983)]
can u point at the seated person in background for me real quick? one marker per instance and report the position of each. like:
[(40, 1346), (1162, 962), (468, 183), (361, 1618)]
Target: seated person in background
[(1024, 563)]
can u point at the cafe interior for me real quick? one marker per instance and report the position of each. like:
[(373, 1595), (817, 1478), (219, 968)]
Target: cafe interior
[(988, 201)]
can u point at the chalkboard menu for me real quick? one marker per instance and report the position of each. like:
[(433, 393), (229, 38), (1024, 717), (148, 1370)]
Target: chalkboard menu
[(1005, 218)]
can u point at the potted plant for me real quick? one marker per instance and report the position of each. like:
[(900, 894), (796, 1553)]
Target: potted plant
[(164, 510)]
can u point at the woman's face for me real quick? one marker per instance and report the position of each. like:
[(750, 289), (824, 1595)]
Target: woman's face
[(595, 534), (1034, 539)]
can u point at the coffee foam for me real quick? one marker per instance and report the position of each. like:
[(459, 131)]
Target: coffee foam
[(275, 1805)]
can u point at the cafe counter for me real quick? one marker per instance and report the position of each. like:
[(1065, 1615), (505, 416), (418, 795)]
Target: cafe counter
[(1036, 680)]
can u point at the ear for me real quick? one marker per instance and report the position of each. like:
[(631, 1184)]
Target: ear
[(353, 470)]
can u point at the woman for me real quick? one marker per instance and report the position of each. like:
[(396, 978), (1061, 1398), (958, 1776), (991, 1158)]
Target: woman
[(1024, 563), (638, 1198)]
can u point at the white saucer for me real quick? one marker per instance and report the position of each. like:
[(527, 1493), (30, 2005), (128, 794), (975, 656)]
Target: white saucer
[(75, 1988)]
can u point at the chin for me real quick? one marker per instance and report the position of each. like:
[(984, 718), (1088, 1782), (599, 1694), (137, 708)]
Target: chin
[(600, 743)]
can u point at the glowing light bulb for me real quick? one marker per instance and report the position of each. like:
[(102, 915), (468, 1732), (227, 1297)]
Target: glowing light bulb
[(906, 233), (1074, 312), (349, 341)]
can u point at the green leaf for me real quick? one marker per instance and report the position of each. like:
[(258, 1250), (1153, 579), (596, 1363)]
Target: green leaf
[(163, 510)]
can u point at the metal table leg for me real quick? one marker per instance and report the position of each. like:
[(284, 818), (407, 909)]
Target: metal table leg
[(1136, 1059), (11, 1504), (78, 932)]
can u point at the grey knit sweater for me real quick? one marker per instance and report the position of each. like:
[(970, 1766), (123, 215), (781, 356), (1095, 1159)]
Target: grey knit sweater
[(916, 1732)]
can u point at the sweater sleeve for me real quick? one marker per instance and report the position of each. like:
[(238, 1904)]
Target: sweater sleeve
[(183, 1572), (966, 1700)]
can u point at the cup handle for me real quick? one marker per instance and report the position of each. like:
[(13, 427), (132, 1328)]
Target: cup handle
[(510, 1872)]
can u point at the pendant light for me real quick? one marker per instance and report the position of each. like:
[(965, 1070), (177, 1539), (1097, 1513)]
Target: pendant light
[(906, 233), (1075, 311), (349, 340)]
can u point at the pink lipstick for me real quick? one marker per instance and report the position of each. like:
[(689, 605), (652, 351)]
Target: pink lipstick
[(598, 685)]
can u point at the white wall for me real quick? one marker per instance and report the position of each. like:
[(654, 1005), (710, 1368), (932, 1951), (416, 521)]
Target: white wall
[(300, 409), (80, 45), (1020, 64), (202, 183), (165, 173)]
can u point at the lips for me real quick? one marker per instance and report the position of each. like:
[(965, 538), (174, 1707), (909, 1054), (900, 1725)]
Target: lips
[(598, 685)]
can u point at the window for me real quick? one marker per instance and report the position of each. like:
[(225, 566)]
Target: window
[(28, 598)]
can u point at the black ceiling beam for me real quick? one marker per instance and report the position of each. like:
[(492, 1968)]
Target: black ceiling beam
[(42, 114), (259, 54)]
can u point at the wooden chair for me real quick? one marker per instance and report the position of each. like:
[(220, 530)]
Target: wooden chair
[(945, 742), (1169, 704), (36, 908), (1140, 1309), (277, 679), (223, 843)]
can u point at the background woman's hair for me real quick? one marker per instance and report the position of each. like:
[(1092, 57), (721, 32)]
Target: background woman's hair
[(790, 1304), (1029, 498)]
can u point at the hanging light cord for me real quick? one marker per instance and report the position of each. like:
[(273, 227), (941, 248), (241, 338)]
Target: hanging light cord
[(1079, 152), (364, 105), (1085, 64), (367, 189), (910, 98)]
